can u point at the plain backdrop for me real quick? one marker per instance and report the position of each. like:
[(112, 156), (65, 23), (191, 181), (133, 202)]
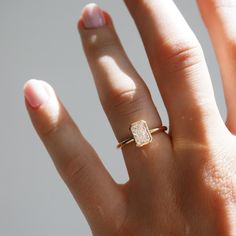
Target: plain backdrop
[(39, 39)]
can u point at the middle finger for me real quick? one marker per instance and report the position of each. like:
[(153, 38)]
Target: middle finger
[(179, 66)]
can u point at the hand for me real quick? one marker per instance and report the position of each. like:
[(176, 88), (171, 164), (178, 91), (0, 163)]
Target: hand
[(183, 182)]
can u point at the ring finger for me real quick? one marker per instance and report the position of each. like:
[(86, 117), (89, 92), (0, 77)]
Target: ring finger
[(123, 94)]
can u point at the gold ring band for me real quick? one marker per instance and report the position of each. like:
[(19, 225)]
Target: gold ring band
[(141, 134)]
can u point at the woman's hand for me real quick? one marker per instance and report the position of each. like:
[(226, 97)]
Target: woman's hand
[(183, 182)]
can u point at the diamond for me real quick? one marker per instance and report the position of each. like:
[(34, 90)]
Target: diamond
[(141, 133)]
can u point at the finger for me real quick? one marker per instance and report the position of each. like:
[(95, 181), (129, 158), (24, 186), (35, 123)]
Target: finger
[(76, 161), (221, 26), (123, 94), (179, 66)]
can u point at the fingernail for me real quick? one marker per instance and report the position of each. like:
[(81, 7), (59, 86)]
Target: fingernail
[(93, 16), (35, 93)]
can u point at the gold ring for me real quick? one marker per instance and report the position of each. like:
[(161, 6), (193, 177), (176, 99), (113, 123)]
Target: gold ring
[(142, 135)]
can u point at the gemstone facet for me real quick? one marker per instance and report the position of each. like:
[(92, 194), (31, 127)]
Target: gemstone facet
[(141, 133)]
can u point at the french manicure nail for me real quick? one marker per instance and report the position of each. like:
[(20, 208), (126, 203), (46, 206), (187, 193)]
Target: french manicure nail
[(93, 16), (35, 93)]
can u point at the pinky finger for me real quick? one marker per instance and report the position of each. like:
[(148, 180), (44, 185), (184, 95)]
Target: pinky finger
[(77, 162)]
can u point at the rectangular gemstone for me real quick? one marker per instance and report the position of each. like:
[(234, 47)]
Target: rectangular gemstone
[(141, 133)]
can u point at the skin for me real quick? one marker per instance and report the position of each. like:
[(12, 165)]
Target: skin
[(184, 182)]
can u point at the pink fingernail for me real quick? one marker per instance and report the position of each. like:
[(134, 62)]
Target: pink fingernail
[(35, 93), (93, 16)]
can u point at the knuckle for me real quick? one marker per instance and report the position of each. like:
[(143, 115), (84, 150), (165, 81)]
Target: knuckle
[(126, 102), (176, 57), (52, 128), (75, 171)]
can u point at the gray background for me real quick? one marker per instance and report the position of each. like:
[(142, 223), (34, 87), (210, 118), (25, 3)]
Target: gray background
[(39, 39)]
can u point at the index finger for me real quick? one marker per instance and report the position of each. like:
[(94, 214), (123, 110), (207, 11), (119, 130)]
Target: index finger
[(77, 162)]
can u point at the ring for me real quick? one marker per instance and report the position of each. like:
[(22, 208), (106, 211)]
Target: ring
[(142, 135)]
